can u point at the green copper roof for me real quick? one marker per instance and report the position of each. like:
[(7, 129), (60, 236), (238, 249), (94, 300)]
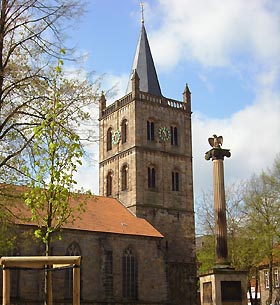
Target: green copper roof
[(144, 65)]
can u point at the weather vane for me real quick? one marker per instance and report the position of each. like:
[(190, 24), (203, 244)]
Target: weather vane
[(142, 11)]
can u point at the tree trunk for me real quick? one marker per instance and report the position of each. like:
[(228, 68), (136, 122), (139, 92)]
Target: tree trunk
[(270, 278), (48, 277), (257, 287)]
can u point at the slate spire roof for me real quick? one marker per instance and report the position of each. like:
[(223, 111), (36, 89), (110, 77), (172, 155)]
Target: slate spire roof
[(144, 65)]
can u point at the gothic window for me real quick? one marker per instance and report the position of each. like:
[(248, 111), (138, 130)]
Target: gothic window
[(174, 135), (124, 129), (150, 130), (175, 181), (151, 177), (129, 275), (109, 184), (266, 279), (72, 250), (109, 139), (276, 278), (124, 177), (108, 274)]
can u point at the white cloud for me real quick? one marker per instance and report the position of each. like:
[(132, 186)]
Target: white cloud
[(213, 32), (251, 134), (114, 86)]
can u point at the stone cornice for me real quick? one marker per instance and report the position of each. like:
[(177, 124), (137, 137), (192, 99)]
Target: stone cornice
[(143, 148)]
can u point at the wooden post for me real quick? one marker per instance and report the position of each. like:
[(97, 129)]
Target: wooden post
[(6, 286), (76, 285)]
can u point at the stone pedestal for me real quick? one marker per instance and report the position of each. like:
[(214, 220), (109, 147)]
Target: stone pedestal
[(223, 287)]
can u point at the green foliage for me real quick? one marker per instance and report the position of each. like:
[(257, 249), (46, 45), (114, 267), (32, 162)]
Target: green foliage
[(56, 154), (206, 253)]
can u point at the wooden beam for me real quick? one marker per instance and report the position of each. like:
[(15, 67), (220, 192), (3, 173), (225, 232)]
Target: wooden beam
[(39, 261)]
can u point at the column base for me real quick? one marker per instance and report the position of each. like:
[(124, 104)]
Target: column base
[(223, 286)]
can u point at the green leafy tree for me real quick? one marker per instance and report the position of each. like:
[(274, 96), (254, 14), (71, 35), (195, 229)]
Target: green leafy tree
[(55, 155), (262, 216)]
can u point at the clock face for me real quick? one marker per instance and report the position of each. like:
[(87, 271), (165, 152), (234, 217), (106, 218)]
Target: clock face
[(164, 133), (116, 137)]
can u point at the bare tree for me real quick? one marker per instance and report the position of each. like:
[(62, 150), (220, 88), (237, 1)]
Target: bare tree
[(31, 35)]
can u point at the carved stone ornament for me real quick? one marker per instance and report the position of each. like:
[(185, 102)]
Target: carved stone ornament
[(216, 142), (217, 153)]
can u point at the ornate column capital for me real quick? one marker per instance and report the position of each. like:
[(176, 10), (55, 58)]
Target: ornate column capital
[(217, 153)]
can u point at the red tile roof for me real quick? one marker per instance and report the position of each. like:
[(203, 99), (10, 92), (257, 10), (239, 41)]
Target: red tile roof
[(102, 214), (105, 214)]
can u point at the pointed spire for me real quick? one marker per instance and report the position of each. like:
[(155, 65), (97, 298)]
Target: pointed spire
[(144, 65)]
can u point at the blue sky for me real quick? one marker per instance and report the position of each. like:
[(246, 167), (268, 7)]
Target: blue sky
[(228, 53)]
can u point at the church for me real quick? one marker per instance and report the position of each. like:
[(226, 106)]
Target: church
[(137, 238)]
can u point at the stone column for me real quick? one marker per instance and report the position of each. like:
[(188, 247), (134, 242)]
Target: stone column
[(217, 155), (222, 285)]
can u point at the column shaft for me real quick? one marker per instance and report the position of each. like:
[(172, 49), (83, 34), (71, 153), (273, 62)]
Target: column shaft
[(220, 212)]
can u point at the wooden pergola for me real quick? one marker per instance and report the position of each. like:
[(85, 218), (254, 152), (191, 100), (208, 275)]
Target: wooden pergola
[(39, 262)]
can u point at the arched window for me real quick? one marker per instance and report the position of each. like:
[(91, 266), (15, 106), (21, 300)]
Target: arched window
[(108, 274), (124, 177), (150, 131), (124, 130), (151, 177), (130, 275), (109, 139), (109, 184), (72, 250), (175, 181), (174, 135)]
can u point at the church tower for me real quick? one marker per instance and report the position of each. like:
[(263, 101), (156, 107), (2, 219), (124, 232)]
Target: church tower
[(146, 163)]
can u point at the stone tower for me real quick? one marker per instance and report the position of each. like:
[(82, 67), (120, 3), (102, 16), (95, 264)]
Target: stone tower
[(146, 163)]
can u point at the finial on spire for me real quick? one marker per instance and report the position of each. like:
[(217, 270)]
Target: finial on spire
[(142, 12)]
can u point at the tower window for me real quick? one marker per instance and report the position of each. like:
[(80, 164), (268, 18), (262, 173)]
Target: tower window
[(150, 131), (124, 177), (109, 184), (130, 275), (151, 177), (174, 135), (175, 181), (109, 139), (124, 131)]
